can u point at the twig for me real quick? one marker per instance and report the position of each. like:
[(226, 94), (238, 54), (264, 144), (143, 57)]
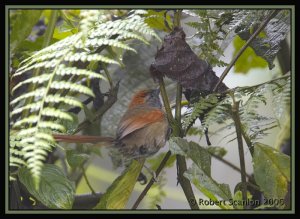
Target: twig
[(112, 98), (238, 127), (229, 164), (261, 27), (87, 181), (181, 162), (110, 81), (152, 180), (165, 99)]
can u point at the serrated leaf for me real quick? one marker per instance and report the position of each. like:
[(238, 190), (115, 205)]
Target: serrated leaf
[(74, 87), (76, 159), (67, 100), (271, 171), (52, 112), (32, 106), (37, 93), (118, 193), (55, 190), (34, 80)]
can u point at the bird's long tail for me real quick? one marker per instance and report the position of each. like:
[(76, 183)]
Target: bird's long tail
[(106, 141)]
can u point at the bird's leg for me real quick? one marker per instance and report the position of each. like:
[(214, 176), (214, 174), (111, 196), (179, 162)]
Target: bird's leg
[(152, 173)]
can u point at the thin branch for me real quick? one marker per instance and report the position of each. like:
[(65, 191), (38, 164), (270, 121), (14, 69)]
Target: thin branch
[(87, 181), (261, 27), (112, 98), (165, 99), (152, 180), (110, 81), (229, 164), (238, 127)]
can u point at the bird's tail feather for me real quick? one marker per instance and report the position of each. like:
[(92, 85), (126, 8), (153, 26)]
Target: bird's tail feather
[(105, 141)]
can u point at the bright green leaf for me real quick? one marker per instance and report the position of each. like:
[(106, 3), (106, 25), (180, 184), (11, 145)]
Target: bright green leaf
[(248, 59), (118, 193)]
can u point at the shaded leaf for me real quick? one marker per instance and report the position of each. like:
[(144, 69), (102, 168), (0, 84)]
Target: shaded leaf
[(176, 60), (198, 154), (76, 159), (269, 45), (19, 31), (218, 151), (271, 171), (55, 190), (118, 193), (206, 184)]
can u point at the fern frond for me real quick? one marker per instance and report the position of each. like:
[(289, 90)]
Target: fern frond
[(199, 108), (218, 114), (54, 78)]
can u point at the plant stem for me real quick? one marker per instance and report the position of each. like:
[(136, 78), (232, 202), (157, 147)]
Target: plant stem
[(152, 180), (87, 181), (229, 164), (261, 27), (112, 98), (50, 29), (238, 127), (181, 162), (107, 75), (164, 96)]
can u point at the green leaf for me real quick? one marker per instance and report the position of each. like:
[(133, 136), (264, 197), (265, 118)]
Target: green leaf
[(118, 193), (64, 31), (55, 190), (248, 59), (76, 159), (238, 199), (200, 172), (217, 151), (22, 25), (271, 171), (205, 183), (198, 154), (156, 19)]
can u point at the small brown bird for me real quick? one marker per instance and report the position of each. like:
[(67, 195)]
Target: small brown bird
[(141, 132)]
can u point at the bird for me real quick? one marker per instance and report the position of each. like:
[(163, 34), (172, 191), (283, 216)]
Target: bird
[(142, 131)]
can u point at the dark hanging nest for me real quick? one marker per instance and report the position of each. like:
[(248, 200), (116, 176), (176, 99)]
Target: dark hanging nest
[(176, 60)]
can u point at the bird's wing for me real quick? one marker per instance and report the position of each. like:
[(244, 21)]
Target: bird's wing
[(137, 119)]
